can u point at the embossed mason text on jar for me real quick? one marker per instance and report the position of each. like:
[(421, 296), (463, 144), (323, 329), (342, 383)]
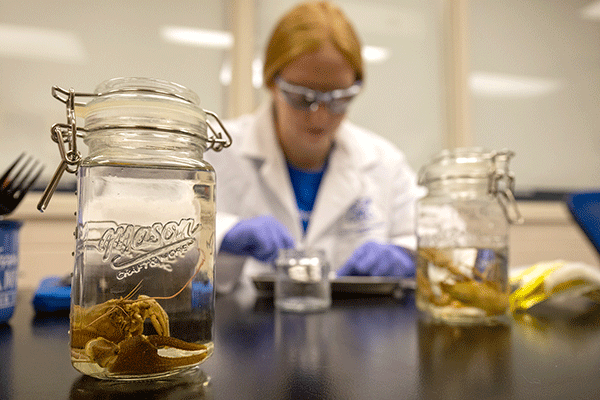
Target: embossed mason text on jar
[(142, 299)]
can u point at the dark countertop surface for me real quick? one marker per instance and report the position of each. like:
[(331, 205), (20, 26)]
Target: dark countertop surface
[(362, 348)]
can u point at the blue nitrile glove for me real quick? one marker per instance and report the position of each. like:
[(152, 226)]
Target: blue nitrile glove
[(379, 259), (259, 237)]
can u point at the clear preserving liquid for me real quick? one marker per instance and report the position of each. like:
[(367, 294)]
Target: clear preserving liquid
[(463, 285), (142, 296), (302, 297)]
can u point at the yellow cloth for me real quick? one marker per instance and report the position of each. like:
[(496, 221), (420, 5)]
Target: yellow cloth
[(553, 279)]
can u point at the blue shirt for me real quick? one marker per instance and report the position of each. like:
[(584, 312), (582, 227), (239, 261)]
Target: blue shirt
[(305, 184)]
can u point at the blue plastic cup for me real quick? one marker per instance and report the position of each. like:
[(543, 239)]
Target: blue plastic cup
[(9, 262)]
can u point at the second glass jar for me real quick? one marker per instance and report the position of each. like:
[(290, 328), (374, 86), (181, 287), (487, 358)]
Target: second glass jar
[(462, 235)]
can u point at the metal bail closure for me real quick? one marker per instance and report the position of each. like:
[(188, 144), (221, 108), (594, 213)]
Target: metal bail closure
[(217, 142), (504, 185), (65, 136)]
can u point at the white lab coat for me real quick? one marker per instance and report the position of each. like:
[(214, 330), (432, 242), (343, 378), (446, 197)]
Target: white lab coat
[(368, 193)]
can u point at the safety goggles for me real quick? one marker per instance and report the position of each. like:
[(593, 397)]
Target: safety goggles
[(303, 98)]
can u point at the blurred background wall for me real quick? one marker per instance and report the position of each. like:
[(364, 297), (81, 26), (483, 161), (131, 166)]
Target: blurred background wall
[(515, 74)]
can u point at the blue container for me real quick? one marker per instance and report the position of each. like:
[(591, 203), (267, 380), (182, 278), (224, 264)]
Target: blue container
[(9, 261)]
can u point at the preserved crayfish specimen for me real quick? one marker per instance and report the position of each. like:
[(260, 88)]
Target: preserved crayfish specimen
[(111, 335), (462, 283), (117, 319)]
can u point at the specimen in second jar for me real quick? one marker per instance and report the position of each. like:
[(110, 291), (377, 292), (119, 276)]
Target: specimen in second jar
[(462, 281)]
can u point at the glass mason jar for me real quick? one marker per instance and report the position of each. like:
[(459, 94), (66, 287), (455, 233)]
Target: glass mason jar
[(142, 296), (462, 236)]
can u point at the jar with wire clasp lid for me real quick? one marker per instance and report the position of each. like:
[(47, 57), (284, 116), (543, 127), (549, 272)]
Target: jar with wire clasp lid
[(142, 296), (462, 236)]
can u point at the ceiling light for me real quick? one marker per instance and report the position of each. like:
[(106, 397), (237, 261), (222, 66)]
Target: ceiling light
[(374, 55), (500, 85), (39, 43), (197, 37), (591, 11), (225, 73), (257, 70)]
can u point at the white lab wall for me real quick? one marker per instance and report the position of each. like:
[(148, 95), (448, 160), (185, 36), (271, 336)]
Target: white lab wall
[(110, 38), (555, 134), (548, 110)]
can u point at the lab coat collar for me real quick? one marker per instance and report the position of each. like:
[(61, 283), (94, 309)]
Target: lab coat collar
[(260, 144), (260, 141)]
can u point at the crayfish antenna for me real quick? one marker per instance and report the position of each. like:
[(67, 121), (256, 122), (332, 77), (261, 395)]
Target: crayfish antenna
[(134, 290)]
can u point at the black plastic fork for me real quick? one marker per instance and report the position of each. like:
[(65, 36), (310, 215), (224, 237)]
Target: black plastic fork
[(15, 183)]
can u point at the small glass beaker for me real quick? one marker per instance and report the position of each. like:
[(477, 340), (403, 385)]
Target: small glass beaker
[(302, 281)]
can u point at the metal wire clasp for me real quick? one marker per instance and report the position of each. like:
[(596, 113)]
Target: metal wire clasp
[(65, 136), (217, 142), (504, 186)]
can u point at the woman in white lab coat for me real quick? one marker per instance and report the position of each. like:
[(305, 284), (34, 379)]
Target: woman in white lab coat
[(299, 173)]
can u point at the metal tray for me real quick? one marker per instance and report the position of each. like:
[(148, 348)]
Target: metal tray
[(352, 285)]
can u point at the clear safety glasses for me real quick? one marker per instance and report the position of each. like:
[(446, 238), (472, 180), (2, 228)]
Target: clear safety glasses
[(303, 98)]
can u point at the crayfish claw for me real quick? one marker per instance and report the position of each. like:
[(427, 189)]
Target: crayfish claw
[(140, 354), (158, 316)]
